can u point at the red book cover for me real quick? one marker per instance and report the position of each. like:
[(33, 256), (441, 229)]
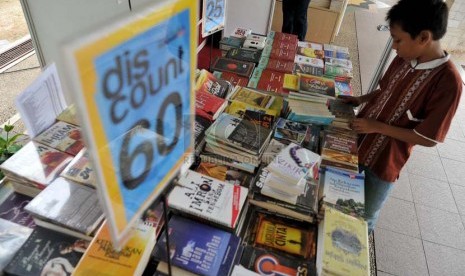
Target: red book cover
[(234, 79), (278, 65), (286, 37), (283, 54), (272, 81), (286, 45), (208, 106)]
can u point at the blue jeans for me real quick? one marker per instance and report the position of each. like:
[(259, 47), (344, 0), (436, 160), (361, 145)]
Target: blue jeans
[(376, 193), (295, 17)]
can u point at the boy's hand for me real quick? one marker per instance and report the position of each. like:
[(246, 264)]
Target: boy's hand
[(360, 125), (354, 101)]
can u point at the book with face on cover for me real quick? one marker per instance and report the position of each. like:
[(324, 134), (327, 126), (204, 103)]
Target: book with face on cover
[(80, 170), (69, 205), (208, 198), (102, 258), (62, 136), (293, 163), (36, 164)]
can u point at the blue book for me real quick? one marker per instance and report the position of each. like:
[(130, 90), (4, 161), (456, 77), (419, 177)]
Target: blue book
[(198, 248)]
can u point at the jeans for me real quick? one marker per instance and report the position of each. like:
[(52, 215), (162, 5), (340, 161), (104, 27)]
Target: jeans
[(295, 17), (376, 193)]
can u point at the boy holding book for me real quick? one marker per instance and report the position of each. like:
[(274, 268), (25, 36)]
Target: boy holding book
[(416, 101)]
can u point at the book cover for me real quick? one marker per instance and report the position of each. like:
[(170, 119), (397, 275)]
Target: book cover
[(319, 85), (198, 248), (69, 115), (289, 45), (234, 79), (340, 62), (47, 252), (101, 258), (290, 131), (154, 216), (250, 136), (300, 68), (291, 82), (344, 191), (241, 32), (291, 38), (208, 198), (336, 51), (273, 149), (223, 160), (308, 44), (310, 52), (342, 143), (225, 173), (80, 170), (208, 105), (252, 97), (343, 88), (200, 126), (207, 82), (36, 163), (314, 62), (240, 68), (259, 118), (62, 136), (277, 65), (244, 55), (12, 238), (278, 234), (267, 262), (271, 81), (293, 163), (337, 72), (12, 209), (68, 204), (345, 245), (227, 43), (238, 109), (283, 54)]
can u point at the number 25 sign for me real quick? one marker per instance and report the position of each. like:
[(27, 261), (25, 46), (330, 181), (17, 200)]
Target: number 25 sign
[(132, 84), (212, 16)]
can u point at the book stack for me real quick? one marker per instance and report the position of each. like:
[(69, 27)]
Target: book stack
[(337, 63), (210, 94), (343, 112), (309, 59), (340, 150)]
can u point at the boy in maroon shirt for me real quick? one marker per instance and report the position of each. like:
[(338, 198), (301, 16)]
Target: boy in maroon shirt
[(415, 103)]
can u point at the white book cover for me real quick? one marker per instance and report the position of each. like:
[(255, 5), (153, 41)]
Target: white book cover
[(315, 62), (280, 184), (293, 163), (208, 198)]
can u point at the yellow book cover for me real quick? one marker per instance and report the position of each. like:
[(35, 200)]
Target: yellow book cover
[(237, 108), (252, 97), (291, 82), (102, 259), (345, 246)]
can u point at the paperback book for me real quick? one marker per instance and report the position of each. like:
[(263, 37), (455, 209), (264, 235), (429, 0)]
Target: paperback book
[(252, 97), (13, 237), (12, 209), (208, 198), (208, 105), (290, 131), (317, 85), (80, 170), (240, 68), (244, 55), (207, 82), (232, 78), (62, 136)]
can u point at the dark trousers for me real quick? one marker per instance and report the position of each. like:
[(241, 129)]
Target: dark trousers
[(295, 17)]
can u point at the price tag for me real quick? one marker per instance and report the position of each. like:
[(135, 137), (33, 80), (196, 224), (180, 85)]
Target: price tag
[(212, 16), (133, 86)]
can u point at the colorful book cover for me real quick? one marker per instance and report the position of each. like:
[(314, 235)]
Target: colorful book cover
[(345, 245), (279, 65), (290, 131), (208, 105), (230, 42), (234, 79), (271, 81), (272, 150), (291, 38), (308, 44), (259, 118), (291, 82), (285, 45), (80, 170), (238, 109), (340, 62), (267, 262), (208, 198), (241, 32), (252, 97), (300, 68), (62, 136), (345, 191), (343, 88), (336, 71), (12, 209), (310, 52), (244, 55), (255, 78), (314, 62), (198, 248), (102, 258), (13, 237), (318, 85), (36, 163), (68, 204), (207, 82), (225, 173), (336, 51), (240, 68), (278, 234), (47, 252)]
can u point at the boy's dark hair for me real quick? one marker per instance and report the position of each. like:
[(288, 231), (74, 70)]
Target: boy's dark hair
[(414, 16)]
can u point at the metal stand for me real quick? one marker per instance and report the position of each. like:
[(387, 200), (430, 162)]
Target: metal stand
[(211, 50), (165, 211)]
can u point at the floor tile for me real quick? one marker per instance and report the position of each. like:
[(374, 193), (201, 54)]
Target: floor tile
[(452, 149), (427, 165), (443, 260), (399, 254), (441, 227), (456, 132), (402, 188), (455, 171), (433, 193), (381, 273), (459, 195), (399, 216), (430, 150)]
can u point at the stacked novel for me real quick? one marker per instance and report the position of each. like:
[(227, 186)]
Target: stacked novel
[(102, 258), (289, 131), (67, 207), (309, 112), (340, 150), (343, 112), (207, 198), (198, 249), (342, 245), (34, 167)]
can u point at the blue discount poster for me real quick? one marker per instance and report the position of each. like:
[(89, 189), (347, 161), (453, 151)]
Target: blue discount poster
[(134, 83), (213, 16)]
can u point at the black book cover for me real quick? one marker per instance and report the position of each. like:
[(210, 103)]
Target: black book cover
[(240, 68), (244, 55), (201, 125), (47, 252), (12, 209), (249, 136)]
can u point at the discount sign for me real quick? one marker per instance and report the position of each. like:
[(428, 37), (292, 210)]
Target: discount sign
[(133, 86), (212, 16)]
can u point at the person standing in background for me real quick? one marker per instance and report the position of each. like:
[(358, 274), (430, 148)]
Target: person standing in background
[(295, 17)]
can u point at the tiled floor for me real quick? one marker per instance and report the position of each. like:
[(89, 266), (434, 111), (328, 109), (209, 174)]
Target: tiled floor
[(421, 228)]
